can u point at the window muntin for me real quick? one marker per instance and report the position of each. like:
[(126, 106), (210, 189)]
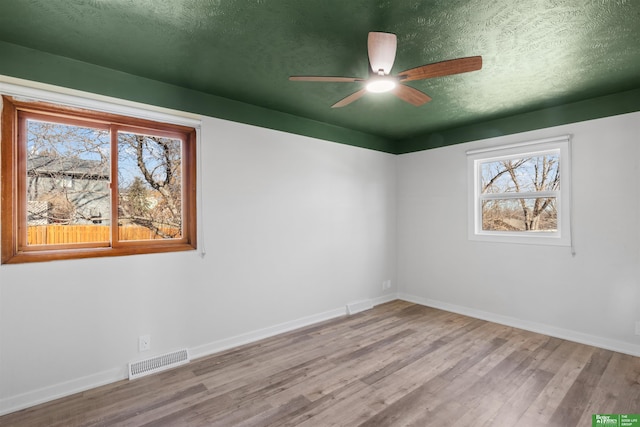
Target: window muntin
[(520, 193), (84, 188)]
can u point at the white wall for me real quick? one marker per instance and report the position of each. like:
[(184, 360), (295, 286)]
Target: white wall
[(294, 229), (593, 297)]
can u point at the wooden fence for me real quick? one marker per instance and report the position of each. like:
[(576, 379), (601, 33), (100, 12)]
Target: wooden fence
[(63, 234)]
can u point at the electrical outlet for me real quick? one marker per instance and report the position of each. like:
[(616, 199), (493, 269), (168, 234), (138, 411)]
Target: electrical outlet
[(144, 343), (386, 284), (637, 327)]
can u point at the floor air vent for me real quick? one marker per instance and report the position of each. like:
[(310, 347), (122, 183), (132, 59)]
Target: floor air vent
[(158, 363)]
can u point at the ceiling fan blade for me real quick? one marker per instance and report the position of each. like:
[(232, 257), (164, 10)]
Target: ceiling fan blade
[(411, 95), (444, 68), (349, 99), (325, 79), (382, 51)]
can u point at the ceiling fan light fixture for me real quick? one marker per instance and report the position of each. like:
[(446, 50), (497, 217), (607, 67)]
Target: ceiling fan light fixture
[(381, 84), (382, 53)]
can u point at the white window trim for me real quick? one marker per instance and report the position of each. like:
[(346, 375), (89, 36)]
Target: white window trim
[(89, 101), (561, 237)]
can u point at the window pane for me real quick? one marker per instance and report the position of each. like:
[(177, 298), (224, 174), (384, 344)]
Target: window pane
[(537, 173), (68, 198), (537, 214), (150, 187)]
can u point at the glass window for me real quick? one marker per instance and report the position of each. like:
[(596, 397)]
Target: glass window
[(520, 193), (81, 183)]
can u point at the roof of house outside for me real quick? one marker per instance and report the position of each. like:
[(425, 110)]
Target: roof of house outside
[(46, 164)]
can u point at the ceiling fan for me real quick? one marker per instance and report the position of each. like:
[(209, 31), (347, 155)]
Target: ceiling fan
[(382, 54)]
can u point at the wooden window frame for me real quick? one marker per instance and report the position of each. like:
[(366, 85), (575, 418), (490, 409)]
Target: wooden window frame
[(13, 195)]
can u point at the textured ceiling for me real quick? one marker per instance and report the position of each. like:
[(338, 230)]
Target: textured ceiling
[(536, 53)]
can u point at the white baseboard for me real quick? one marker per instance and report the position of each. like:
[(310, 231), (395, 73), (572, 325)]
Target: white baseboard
[(358, 306), (227, 343), (56, 391), (384, 299), (541, 328), (367, 304), (249, 337)]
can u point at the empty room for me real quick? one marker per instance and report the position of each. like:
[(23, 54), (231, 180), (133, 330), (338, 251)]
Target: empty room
[(330, 213)]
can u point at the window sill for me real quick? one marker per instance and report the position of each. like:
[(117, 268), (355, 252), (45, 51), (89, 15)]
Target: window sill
[(537, 238), (56, 255)]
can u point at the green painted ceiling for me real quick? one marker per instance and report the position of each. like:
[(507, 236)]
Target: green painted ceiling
[(545, 62)]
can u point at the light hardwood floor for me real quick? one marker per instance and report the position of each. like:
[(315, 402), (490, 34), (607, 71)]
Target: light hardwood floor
[(399, 364)]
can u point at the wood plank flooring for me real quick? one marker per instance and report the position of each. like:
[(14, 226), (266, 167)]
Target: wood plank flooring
[(399, 364)]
